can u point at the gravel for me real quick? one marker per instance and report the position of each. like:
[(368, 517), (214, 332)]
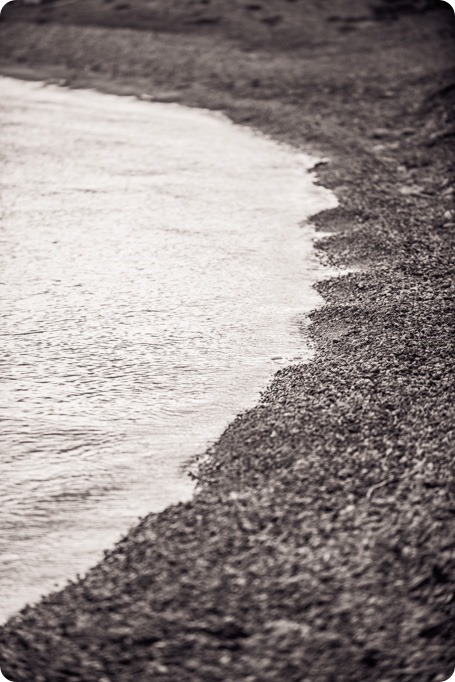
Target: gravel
[(318, 546)]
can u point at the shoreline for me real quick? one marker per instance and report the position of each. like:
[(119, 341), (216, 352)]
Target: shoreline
[(198, 157), (318, 538)]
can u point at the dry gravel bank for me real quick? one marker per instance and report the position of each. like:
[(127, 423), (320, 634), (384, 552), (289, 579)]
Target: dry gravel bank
[(319, 544)]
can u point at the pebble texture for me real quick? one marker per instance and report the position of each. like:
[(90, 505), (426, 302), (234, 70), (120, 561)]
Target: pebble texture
[(319, 544)]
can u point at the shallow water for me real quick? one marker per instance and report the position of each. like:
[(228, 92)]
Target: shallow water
[(155, 272)]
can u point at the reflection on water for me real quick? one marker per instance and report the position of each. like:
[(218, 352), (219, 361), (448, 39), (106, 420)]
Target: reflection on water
[(151, 273)]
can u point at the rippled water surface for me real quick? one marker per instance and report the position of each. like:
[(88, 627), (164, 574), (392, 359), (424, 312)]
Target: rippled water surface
[(154, 273)]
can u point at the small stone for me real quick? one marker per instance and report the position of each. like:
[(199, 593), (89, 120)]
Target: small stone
[(410, 190), (379, 133), (284, 627)]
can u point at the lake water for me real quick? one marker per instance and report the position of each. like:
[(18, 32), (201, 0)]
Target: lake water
[(155, 271)]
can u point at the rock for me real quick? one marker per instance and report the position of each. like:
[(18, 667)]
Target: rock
[(380, 133), (411, 190)]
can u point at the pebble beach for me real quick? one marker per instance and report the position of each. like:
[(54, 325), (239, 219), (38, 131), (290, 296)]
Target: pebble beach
[(318, 544)]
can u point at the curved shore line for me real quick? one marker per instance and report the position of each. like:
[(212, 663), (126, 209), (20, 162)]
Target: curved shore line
[(317, 546)]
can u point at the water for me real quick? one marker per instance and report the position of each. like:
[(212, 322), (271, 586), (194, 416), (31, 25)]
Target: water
[(154, 273)]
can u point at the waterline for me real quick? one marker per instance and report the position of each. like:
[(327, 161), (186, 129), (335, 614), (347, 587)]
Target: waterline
[(154, 274)]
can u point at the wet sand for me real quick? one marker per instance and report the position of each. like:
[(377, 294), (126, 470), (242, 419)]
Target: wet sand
[(318, 545)]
